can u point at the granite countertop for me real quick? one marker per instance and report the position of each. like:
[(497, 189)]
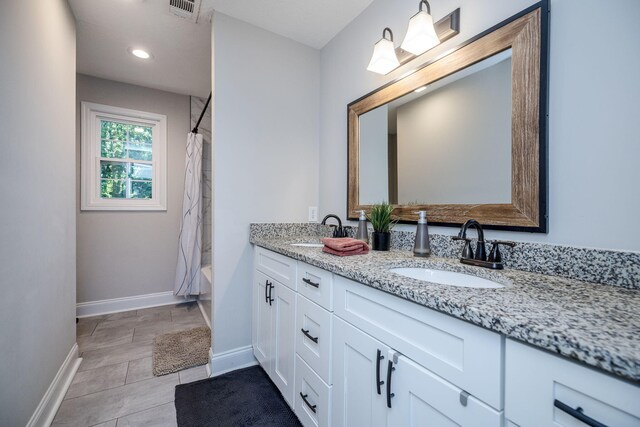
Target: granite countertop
[(598, 325)]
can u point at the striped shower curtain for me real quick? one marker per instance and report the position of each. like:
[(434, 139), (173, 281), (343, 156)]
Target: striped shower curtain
[(190, 240)]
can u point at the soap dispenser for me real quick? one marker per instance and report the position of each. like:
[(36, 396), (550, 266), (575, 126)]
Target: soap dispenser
[(422, 247), (362, 233)]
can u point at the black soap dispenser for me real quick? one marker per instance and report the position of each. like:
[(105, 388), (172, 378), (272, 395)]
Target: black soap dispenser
[(422, 246)]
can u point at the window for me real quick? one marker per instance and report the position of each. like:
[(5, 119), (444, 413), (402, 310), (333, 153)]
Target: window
[(123, 159)]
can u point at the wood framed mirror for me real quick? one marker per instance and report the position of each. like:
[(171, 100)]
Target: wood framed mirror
[(462, 137)]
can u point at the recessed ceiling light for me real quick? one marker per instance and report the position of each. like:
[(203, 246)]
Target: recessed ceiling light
[(140, 53)]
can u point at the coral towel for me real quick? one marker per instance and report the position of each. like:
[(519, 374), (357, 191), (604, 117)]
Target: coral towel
[(344, 246)]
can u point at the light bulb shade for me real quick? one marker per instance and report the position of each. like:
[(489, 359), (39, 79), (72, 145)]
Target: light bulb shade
[(384, 59), (421, 34)]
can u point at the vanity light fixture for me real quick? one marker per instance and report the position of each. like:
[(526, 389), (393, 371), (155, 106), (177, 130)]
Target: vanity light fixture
[(421, 36), (384, 58)]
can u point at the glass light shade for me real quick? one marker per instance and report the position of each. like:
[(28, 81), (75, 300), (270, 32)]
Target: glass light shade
[(421, 34), (384, 59)]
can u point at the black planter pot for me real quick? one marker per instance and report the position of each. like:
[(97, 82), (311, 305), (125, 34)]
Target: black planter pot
[(381, 240)]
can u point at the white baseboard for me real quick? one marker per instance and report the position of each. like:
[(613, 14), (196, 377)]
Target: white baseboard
[(116, 305), (231, 360), (48, 406), (209, 364)]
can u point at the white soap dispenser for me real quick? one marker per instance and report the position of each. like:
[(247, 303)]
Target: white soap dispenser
[(422, 246), (362, 233)]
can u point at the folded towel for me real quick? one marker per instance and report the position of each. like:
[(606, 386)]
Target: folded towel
[(359, 251), (341, 244)]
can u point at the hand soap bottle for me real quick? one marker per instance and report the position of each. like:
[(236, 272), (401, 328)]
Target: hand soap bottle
[(362, 233), (422, 247)]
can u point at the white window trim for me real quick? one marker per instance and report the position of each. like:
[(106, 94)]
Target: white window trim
[(90, 158)]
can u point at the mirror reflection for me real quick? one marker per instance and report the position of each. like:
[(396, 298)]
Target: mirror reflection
[(448, 142)]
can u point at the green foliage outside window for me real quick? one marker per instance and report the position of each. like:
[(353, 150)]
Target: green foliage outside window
[(125, 143)]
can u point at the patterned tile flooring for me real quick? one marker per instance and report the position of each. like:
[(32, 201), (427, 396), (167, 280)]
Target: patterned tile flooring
[(114, 385)]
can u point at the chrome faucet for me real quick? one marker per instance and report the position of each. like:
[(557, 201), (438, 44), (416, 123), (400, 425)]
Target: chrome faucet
[(479, 257), (337, 231)]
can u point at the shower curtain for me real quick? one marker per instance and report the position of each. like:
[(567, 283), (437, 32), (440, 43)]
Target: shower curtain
[(190, 241)]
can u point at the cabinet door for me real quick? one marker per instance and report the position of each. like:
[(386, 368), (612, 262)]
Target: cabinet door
[(283, 316), (261, 331), (421, 398), (356, 369)]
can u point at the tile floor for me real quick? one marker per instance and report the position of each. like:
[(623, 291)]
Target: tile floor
[(114, 385)]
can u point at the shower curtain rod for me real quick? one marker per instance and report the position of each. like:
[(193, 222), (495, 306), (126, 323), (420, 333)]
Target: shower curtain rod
[(195, 129)]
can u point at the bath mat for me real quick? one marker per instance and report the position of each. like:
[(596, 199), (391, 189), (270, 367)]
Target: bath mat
[(245, 397), (181, 350)]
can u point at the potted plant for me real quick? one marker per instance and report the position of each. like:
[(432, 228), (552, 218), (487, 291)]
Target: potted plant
[(382, 222)]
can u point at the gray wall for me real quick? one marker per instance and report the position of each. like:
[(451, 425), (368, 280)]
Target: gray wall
[(121, 253), (594, 90), (454, 144), (37, 212), (265, 144)]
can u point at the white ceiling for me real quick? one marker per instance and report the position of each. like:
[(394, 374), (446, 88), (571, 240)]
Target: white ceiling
[(311, 22), (181, 63), (181, 50)]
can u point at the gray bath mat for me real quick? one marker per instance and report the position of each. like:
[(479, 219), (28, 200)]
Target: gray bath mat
[(181, 350)]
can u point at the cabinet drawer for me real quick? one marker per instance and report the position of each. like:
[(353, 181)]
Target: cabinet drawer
[(276, 266), (315, 407), (464, 354), (315, 284), (536, 379), (313, 336)]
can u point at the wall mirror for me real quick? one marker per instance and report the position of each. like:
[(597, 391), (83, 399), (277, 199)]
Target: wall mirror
[(462, 137)]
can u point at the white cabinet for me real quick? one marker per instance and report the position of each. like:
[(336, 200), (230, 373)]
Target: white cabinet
[(273, 339), (464, 354), (283, 348), (543, 389), (376, 386), (346, 354), (359, 371), (314, 340), (261, 333)]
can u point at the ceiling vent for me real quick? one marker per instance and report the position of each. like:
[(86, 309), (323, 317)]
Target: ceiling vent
[(187, 9)]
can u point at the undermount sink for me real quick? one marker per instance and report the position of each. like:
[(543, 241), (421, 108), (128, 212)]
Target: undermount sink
[(308, 245), (442, 277)]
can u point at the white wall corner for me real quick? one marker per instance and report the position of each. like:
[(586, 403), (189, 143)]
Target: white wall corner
[(238, 358), (116, 305), (48, 406)]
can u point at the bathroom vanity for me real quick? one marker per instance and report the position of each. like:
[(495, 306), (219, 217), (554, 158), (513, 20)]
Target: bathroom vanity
[(350, 343)]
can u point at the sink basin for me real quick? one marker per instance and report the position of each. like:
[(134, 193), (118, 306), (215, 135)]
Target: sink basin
[(308, 245), (442, 277)]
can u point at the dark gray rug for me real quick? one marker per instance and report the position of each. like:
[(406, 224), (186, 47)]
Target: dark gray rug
[(246, 397)]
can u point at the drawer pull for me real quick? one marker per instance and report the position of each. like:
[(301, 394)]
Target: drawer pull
[(270, 292), (379, 357), (309, 282), (306, 334), (306, 402), (390, 369), (577, 413), (266, 289)]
